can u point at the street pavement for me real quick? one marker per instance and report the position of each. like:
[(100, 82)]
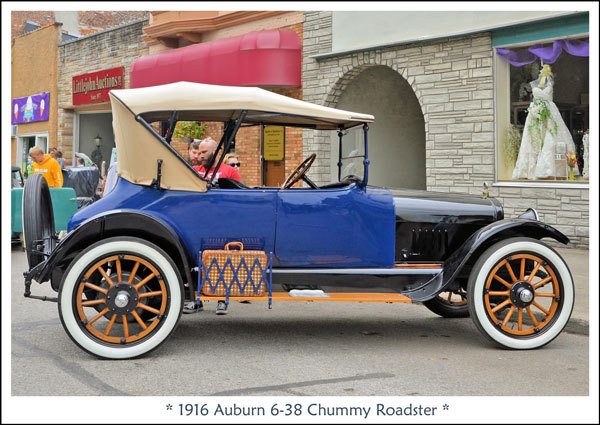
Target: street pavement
[(578, 261), (300, 349)]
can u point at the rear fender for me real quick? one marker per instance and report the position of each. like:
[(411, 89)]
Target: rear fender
[(114, 223), (463, 258)]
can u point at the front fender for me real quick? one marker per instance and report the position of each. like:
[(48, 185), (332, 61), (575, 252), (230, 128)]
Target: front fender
[(468, 253), (109, 224)]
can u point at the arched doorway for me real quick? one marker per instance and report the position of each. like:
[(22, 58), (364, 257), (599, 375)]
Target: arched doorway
[(397, 137)]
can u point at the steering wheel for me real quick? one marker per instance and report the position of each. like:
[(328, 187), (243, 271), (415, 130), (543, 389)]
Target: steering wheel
[(299, 172)]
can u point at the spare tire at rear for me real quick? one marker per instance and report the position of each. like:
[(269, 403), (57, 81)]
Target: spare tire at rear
[(38, 220)]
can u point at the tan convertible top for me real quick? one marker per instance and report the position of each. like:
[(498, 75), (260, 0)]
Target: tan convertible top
[(220, 102), (138, 149)]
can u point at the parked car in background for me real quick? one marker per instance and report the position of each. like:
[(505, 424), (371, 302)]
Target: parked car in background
[(131, 259), (17, 177)]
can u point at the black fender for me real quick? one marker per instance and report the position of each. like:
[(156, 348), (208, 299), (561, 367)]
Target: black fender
[(106, 225), (463, 258)]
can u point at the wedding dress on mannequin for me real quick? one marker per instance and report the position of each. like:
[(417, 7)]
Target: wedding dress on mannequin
[(544, 130)]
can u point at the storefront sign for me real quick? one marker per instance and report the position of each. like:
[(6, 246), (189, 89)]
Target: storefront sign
[(94, 87), (273, 143), (30, 108)]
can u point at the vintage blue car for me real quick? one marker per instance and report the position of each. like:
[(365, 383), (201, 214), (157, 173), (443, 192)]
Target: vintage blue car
[(131, 259)]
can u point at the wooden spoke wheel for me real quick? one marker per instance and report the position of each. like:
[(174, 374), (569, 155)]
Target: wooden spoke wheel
[(449, 304), (521, 293), (120, 298)]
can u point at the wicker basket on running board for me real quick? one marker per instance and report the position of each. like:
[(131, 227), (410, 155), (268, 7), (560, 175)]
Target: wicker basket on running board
[(229, 272)]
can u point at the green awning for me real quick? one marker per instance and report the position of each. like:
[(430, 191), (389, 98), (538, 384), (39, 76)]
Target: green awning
[(542, 30)]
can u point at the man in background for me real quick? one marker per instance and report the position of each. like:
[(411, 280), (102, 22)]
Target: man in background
[(47, 166), (194, 152)]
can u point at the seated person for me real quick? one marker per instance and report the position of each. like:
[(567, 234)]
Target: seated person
[(207, 151)]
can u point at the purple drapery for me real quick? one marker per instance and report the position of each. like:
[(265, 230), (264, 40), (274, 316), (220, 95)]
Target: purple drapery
[(547, 54)]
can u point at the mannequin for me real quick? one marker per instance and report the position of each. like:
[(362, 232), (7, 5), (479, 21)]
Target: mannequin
[(544, 130)]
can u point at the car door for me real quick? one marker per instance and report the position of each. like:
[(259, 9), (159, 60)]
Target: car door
[(335, 227)]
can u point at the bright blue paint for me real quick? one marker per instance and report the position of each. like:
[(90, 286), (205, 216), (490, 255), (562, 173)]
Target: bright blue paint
[(196, 216), (347, 227)]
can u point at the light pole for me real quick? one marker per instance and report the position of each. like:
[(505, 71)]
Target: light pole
[(97, 154)]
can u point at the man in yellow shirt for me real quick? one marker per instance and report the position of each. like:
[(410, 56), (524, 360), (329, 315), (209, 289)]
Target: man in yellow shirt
[(47, 166)]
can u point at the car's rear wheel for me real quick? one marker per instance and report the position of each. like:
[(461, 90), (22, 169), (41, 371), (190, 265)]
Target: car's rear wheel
[(449, 304), (38, 220), (128, 315), (520, 293)]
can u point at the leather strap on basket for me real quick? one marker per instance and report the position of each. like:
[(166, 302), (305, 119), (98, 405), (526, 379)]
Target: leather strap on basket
[(228, 246)]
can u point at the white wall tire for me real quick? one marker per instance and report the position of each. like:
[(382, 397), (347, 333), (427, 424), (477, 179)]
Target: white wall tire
[(98, 333), (538, 301)]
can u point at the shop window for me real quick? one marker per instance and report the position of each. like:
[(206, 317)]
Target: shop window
[(543, 111)]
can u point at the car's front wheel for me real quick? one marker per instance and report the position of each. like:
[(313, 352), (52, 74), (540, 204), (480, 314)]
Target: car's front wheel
[(520, 293), (124, 316)]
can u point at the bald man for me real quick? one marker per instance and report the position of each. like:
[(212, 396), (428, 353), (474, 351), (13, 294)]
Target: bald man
[(207, 151)]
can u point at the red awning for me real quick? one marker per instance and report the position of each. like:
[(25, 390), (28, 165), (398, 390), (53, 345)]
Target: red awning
[(264, 58)]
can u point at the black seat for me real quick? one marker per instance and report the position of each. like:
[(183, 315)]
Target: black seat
[(225, 183)]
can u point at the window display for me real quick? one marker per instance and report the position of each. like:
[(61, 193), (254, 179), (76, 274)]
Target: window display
[(549, 86)]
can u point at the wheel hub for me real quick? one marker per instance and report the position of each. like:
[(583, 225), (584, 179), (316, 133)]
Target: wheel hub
[(522, 294), (122, 298)]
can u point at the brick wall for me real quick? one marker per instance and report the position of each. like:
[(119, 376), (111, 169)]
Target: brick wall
[(89, 21), (454, 83), (103, 50)]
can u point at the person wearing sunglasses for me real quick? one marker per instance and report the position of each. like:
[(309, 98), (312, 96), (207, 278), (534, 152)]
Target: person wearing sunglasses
[(232, 160)]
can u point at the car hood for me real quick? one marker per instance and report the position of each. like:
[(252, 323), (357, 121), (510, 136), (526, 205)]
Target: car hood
[(437, 207)]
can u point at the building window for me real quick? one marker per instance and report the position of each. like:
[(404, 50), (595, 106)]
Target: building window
[(542, 111)]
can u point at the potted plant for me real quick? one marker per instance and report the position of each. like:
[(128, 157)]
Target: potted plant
[(189, 130)]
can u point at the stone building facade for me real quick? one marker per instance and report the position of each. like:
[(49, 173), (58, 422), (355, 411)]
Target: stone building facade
[(453, 80), (112, 48)]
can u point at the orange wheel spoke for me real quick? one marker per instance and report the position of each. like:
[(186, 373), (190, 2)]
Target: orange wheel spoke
[(502, 281), (119, 276), (501, 305), (150, 309), (150, 294), (532, 316), (534, 271), (96, 288), (449, 296), (144, 281), (546, 312), (508, 315), (133, 272), (110, 325), (510, 271), (499, 293), (522, 274), (93, 302), (97, 316), (138, 319), (542, 282), (125, 326), (545, 294), (105, 276), (520, 319)]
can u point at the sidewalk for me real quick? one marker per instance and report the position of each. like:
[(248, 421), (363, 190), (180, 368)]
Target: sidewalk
[(578, 261)]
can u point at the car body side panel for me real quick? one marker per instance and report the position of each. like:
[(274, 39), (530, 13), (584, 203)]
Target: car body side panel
[(344, 227), (200, 219)]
